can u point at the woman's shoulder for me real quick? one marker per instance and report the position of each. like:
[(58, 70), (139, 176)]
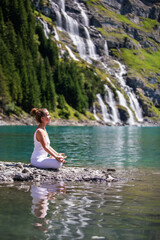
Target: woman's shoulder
[(40, 131)]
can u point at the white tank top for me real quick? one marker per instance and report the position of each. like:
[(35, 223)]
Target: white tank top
[(39, 151)]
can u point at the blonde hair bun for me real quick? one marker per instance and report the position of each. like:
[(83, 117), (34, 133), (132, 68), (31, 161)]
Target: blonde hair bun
[(34, 111), (38, 113)]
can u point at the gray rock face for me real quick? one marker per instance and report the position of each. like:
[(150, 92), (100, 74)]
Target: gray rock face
[(142, 8), (152, 93)]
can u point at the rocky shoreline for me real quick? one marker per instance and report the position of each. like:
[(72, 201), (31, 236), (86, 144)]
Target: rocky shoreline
[(14, 120), (28, 120), (11, 172)]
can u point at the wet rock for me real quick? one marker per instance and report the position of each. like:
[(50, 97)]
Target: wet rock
[(111, 170), (109, 178), (22, 177), (124, 116), (2, 167), (19, 165), (25, 170)]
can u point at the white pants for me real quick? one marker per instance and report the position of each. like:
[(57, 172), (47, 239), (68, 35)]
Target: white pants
[(46, 163)]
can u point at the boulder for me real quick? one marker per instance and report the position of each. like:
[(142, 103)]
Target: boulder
[(124, 115)]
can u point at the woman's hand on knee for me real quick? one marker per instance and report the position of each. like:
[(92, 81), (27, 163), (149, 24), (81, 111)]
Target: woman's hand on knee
[(61, 159)]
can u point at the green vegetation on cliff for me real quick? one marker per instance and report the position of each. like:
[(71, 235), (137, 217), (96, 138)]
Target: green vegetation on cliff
[(142, 60)]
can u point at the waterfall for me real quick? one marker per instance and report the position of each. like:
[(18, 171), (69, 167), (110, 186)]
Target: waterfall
[(83, 14), (71, 54), (56, 35), (62, 4), (136, 107), (134, 104), (87, 51), (105, 114), (56, 9), (72, 27), (90, 44), (45, 27), (122, 102), (94, 113), (111, 102), (106, 48)]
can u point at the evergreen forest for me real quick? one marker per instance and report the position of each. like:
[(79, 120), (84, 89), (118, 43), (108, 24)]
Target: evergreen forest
[(31, 72)]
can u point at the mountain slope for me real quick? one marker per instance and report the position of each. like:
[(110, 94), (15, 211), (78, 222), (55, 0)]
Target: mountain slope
[(76, 56), (128, 31)]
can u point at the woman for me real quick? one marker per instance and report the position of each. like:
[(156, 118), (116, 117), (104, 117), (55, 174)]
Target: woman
[(42, 143)]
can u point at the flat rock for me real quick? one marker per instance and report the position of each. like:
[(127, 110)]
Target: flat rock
[(11, 172)]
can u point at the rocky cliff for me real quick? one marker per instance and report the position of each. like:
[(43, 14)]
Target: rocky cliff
[(100, 32)]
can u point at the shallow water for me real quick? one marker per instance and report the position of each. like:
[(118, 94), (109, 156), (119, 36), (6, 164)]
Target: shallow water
[(127, 209)]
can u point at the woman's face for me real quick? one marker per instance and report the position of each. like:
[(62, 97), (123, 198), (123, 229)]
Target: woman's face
[(47, 117)]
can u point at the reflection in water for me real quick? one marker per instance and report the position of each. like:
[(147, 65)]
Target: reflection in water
[(41, 196), (40, 201), (127, 209), (99, 211)]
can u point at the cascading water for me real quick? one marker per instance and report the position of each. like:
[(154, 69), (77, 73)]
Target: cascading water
[(94, 113), (56, 9), (90, 44), (62, 4), (56, 35), (71, 54), (45, 27), (122, 102), (109, 98), (83, 14), (87, 51), (106, 48), (72, 28), (134, 104), (105, 114)]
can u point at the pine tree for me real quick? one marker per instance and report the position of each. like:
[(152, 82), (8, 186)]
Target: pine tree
[(34, 89), (41, 75), (2, 24), (4, 91), (52, 53), (21, 65), (21, 23), (50, 87), (42, 40), (13, 80), (5, 5), (11, 38)]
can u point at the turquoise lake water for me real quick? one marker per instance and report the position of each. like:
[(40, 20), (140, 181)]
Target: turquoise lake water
[(127, 209), (97, 146)]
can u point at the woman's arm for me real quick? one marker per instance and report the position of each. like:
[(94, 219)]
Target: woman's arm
[(40, 136)]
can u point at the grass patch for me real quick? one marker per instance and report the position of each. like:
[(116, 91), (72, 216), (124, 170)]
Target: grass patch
[(47, 19), (149, 105), (148, 24), (141, 60)]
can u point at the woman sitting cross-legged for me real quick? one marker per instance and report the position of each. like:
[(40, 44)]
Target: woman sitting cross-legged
[(42, 146)]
